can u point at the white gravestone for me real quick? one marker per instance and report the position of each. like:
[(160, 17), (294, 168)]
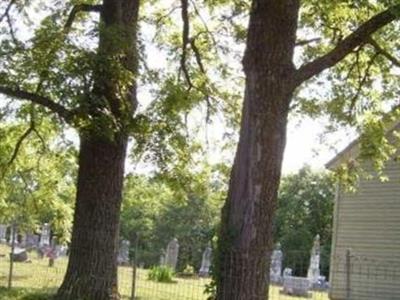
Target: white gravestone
[(313, 273), (162, 259), (275, 271), (3, 233), (296, 286), (206, 262), (45, 235), (123, 255), (12, 234), (171, 257), (61, 250)]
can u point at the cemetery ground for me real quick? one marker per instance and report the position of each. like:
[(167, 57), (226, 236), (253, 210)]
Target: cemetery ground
[(35, 280)]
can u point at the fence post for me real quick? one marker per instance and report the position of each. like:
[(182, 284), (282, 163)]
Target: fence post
[(10, 274), (133, 291), (348, 274)]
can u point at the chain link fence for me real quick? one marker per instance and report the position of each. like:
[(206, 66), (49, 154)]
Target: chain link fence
[(354, 277), (359, 277)]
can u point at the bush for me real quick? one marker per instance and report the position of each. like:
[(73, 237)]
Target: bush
[(161, 274), (188, 272)]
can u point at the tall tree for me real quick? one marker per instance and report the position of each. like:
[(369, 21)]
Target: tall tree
[(91, 87), (272, 78)]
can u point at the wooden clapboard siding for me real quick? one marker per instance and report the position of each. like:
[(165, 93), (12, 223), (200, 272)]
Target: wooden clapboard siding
[(368, 223)]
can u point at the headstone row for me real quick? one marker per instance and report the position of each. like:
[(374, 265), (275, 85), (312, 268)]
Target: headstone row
[(169, 257), (297, 285), (23, 241)]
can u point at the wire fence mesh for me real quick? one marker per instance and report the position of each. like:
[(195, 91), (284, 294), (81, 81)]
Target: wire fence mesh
[(359, 277), (353, 277)]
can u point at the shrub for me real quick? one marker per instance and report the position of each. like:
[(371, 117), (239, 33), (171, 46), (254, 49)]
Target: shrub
[(161, 274)]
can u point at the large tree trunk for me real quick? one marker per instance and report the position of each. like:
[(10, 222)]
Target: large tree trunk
[(92, 267), (245, 239)]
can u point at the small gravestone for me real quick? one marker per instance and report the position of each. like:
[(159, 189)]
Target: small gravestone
[(322, 284), (3, 233), (313, 273), (162, 258), (19, 255), (32, 240), (61, 250), (206, 262), (45, 235), (276, 265), (171, 257), (287, 272), (123, 254)]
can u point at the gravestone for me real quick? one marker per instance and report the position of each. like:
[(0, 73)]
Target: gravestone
[(12, 234), (162, 258), (275, 271), (296, 286), (206, 262), (171, 257), (45, 235), (123, 253), (313, 273), (3, 233), (19, 255), (287, 272), (32, 240), (61, 250)]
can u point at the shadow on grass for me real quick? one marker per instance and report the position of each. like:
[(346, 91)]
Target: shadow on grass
[(25, 294)]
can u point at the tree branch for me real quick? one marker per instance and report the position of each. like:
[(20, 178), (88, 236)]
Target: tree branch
[(11, 29), (80, 8), (197, 56), (38, 99), (17, 147), (19, 143), (344, 47), (185, 40), (361, 82), (208, 31), (383, 52), (306, 42), (7, 11)]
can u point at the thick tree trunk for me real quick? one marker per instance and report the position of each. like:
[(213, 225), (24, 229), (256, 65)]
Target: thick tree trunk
[(92, 267), (245, 239)]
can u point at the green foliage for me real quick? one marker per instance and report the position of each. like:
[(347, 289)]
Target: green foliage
[(40, 179), (161, 274), (24, 294), (305, 209), (189, 270), (186, 207)]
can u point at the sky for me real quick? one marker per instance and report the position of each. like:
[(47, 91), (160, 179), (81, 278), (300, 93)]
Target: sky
[(307, 144)]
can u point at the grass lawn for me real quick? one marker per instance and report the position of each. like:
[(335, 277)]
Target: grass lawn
[(37, 281)]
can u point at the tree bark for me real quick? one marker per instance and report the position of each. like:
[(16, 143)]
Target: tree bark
[(245, 239), (92, 267)]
